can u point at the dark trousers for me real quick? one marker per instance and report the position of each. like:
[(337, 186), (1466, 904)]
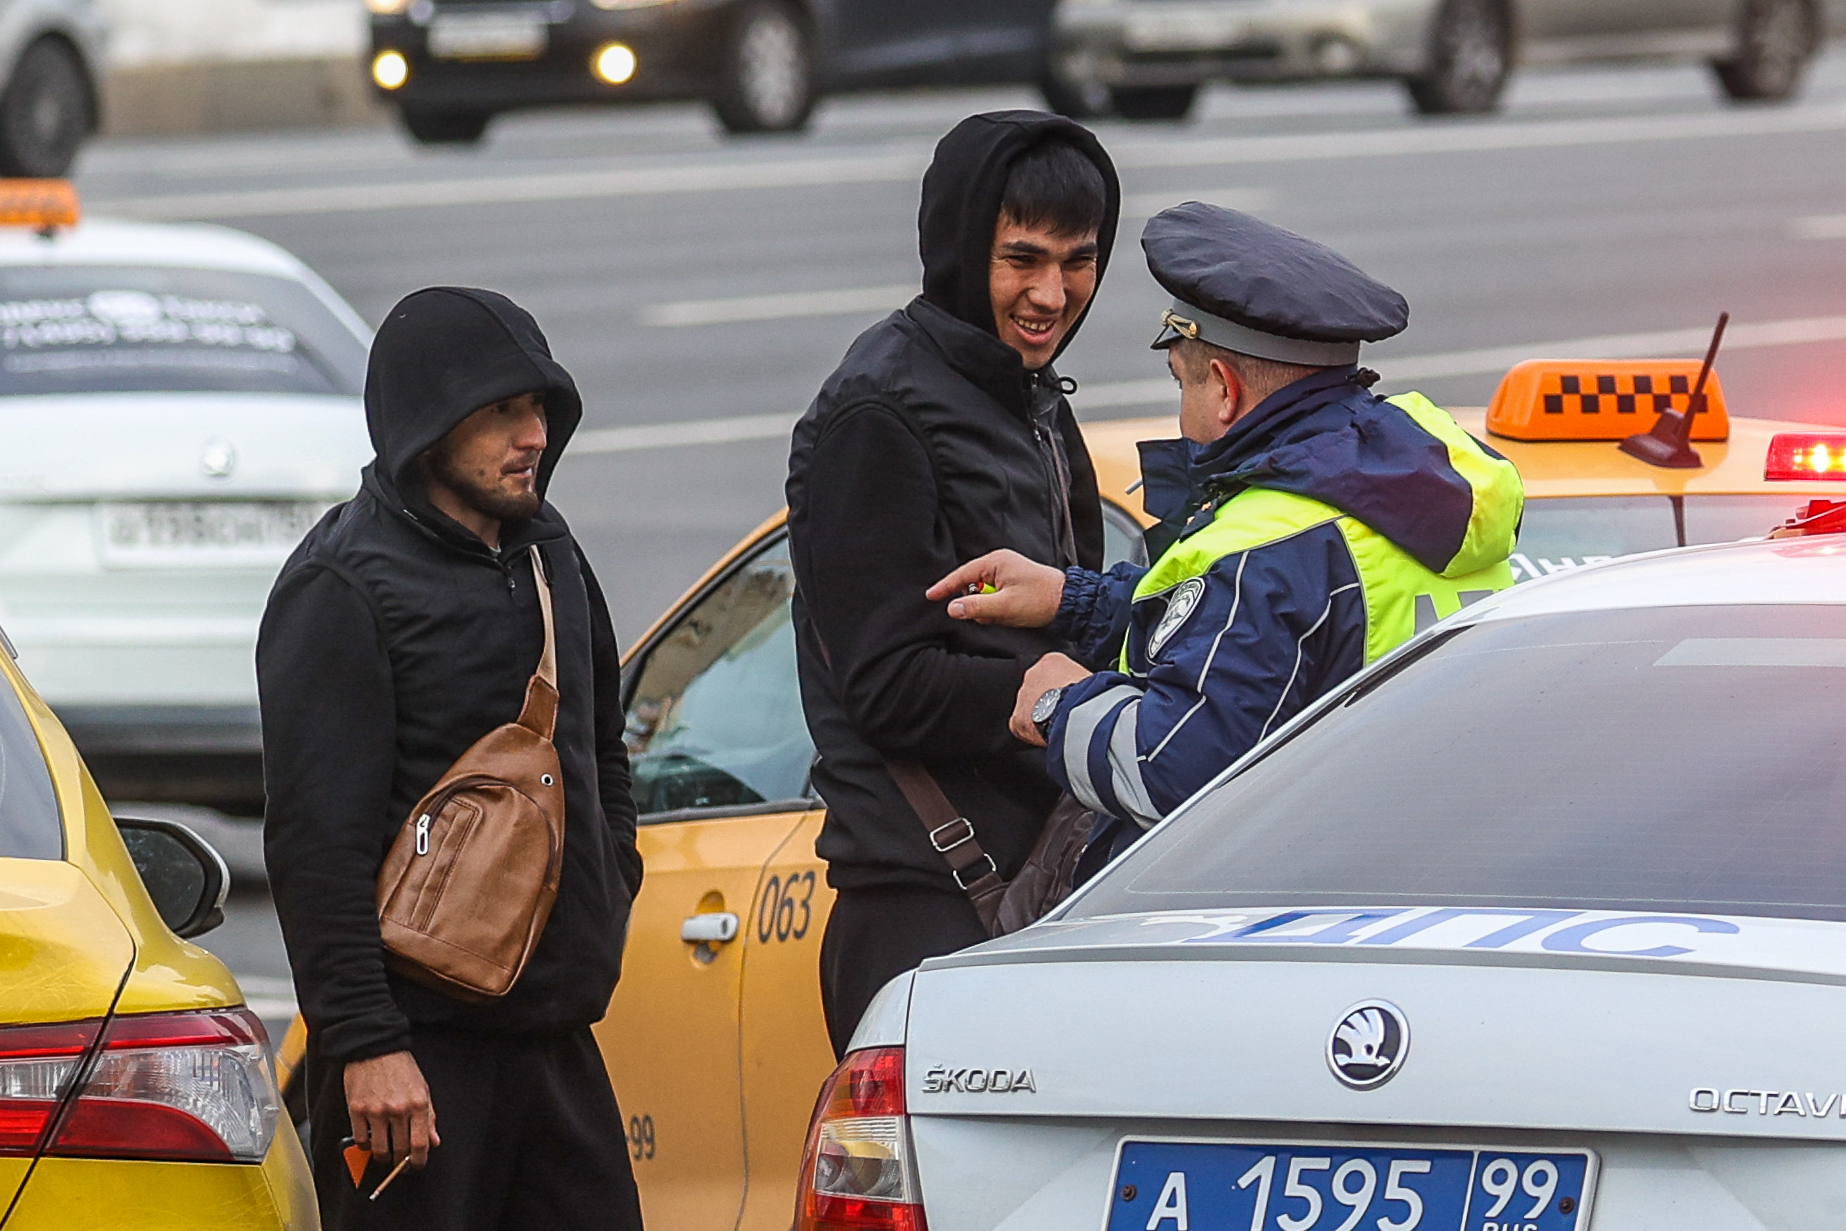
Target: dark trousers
[(531, 1138), (874, 935)]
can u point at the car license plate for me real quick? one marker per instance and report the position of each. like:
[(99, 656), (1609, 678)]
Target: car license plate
[(488, 36), (1270, 1186), (1182, 30), (209, 533)]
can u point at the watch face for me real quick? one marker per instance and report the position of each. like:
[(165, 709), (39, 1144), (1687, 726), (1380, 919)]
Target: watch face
[(1046, 705)]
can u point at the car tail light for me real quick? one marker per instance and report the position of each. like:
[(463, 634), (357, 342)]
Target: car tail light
[(1806, 455), (37, 1065), (857, 1174), (184, 1087)]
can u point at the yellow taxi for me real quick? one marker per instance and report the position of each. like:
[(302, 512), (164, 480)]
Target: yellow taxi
[(135, 1088), (715, 1039)]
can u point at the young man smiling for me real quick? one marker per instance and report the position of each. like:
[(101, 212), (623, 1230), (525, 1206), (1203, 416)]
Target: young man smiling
[(403, 629), (943, 433)]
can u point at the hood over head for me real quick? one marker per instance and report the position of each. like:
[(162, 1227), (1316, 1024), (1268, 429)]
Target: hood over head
[(962, 191), (442, 354), (1401, 465)]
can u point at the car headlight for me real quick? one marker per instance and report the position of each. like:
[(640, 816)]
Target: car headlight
[(387, 8)]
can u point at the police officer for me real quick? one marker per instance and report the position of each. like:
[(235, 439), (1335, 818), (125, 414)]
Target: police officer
[(1308, 525)]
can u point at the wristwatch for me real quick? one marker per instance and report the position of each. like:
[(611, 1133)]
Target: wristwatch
[(1044, 708)]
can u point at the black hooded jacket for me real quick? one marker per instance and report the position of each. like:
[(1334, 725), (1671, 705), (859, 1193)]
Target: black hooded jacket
[(932, 444), (394, 639)]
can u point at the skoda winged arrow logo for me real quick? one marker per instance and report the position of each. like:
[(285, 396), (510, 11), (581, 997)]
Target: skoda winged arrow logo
[(1368, 1045)]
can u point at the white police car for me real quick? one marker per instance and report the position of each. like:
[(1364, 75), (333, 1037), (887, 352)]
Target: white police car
[(179, 405), (1537, 924)]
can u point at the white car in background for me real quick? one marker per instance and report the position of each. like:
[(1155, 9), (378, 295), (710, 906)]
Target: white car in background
[(179, 405), (1537, 925)]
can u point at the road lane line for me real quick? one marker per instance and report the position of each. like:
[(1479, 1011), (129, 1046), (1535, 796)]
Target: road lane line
[(1823, 226), (1147, 204), (483, 190), (886, 167), (778, 307), (1108, 395)]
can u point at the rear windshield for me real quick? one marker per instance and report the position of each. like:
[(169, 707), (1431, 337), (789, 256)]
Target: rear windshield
[(116, 329), (1568, 533), (1681, 758), (30, 826)]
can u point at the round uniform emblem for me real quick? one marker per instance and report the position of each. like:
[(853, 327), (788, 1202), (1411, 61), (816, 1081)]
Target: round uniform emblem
[(1182, 602), (1368, 1045)]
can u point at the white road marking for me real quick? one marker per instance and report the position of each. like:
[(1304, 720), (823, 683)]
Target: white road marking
[(1104, 395), (486, 190), (779, 307), (673, 435), (1823, 226), (268, 997), (1147, 204), (881, 165)]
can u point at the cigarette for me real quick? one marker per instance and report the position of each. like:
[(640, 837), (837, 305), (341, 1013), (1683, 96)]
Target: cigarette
[(386, 1182)]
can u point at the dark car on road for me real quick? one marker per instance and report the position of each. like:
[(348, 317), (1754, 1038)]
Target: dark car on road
[(451, 65)]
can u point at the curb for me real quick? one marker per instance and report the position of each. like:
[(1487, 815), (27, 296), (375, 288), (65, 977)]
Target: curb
[(239, 96)]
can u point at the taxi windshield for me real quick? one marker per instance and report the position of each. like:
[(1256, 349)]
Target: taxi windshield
[(1562, 533), (1687, 758), (124, 329)]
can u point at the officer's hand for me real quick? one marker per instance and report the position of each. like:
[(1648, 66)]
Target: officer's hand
[(1024, 593), (388, 1101), (1051, 671)]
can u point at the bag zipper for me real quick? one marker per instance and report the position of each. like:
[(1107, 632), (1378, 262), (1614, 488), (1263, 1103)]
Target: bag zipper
[(423, 834)]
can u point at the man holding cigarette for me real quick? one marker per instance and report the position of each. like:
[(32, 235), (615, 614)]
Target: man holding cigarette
[(407, 626)]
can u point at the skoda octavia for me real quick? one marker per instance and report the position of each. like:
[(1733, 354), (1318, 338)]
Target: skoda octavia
[(1536, 925)]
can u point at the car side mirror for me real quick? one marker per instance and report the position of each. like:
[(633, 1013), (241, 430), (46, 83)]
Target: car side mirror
[(186, 878)]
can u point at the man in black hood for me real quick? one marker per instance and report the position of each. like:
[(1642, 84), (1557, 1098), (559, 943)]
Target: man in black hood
[(403, 629), (945, 430)]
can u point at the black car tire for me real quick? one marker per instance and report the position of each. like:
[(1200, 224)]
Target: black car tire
[(1153, 102), (45, 111), (446, 127), (1775, 41), (768, 83), (1470, 56), (1074, 100)]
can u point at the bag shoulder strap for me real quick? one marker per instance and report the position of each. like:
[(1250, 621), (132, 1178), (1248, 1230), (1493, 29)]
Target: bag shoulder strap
[(540, 712), (949, 832)]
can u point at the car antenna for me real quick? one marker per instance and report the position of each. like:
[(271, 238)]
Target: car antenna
[(1670, 443)]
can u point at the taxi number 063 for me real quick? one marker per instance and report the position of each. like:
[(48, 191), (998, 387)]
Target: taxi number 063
[(786, 909)]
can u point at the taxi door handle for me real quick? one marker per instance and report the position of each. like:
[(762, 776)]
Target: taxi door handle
[(715, 928)]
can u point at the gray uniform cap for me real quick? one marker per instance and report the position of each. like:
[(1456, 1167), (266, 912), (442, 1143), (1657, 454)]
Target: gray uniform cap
[(1254, 288)]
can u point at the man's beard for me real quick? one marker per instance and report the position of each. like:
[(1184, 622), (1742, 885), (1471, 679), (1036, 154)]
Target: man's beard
[(495, 504)]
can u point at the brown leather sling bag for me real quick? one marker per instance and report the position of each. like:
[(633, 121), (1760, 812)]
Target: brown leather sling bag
[(470, 880)]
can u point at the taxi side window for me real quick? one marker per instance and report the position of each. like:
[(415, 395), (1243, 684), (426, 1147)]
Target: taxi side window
[(31, 826), (714, 714), (1121, 537)]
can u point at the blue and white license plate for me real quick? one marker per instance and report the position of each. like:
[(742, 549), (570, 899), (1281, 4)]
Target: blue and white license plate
[(1269, 1186)]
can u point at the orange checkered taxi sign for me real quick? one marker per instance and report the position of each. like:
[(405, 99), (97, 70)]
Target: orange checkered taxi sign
[(39, 204), (1601, 399)]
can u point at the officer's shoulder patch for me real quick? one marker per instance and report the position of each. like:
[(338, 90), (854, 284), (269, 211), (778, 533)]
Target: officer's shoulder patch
[(1182, 601)]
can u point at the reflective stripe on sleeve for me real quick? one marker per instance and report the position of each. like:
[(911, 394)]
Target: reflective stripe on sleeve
[(1080, 730)]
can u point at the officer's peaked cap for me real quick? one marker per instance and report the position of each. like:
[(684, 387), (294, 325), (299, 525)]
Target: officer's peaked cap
[(1252, 287)]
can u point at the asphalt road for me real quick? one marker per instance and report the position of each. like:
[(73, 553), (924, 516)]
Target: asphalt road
[(701, 288)]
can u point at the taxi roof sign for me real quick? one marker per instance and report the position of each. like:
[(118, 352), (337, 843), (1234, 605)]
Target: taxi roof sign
[(43, 205), (1601, 399)]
